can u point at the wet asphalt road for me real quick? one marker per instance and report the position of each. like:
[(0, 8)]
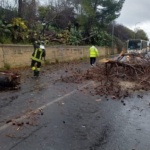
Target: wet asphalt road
[(47, 114)]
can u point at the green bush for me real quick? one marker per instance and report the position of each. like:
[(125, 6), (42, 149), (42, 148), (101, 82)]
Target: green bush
[(7, 66), (5, 40), (74, 37)]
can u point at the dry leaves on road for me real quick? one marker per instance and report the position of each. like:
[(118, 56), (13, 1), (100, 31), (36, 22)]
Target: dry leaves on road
[(117, 77)]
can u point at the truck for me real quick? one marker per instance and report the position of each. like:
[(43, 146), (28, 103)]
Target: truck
[(137, 46)]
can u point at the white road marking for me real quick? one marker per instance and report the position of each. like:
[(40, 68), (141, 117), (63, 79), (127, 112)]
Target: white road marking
[(44, 106)]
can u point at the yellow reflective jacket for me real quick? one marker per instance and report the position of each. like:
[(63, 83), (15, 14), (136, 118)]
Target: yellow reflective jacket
[(93, 51), (37, 55)]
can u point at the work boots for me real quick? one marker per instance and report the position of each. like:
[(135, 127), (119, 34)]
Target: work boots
[(36, 73)]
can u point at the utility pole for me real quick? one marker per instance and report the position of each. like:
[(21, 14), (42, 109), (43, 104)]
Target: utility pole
[(135, 30), (20, 8)]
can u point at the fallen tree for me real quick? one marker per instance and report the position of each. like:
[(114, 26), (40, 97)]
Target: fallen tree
[(117, 77), (125, 74)]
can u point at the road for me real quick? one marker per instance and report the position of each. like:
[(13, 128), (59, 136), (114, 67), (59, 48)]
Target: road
[(48, 114)]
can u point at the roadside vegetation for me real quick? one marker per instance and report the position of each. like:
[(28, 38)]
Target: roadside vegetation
[(69, 22)]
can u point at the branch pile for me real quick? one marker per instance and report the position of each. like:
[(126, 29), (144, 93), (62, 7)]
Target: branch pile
[(117, 77)]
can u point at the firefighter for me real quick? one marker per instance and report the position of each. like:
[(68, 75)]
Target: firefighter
[(36, 58), (93, 54)]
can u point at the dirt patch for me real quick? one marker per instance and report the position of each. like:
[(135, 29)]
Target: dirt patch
[(127, 85)]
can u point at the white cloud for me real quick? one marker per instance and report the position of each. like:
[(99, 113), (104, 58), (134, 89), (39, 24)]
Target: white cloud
[(135, 14)]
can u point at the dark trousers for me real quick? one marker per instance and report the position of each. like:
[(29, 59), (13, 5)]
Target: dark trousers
[(92, 60), (33, 63)]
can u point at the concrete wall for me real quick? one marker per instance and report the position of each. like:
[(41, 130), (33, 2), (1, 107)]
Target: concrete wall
[(20, 55)]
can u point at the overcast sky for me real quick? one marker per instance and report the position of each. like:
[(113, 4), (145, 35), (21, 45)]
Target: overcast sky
[(135, 14)]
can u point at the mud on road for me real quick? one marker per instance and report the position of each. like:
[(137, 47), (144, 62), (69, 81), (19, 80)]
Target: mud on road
[(54, 113)]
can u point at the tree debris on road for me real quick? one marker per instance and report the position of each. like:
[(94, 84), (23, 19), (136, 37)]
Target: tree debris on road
[(9, 80), (30, 119), (117, 77)]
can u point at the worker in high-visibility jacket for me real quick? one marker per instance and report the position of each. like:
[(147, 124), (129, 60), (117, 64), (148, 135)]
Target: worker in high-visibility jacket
[(93, 54), (36, 59)]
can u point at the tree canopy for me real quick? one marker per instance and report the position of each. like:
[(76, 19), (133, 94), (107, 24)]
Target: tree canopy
[(75, 22)]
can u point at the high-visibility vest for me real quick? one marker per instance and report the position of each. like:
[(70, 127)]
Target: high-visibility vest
[(93, 51), (37, 54)]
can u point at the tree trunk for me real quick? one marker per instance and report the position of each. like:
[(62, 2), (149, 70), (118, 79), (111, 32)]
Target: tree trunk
[(20, 8)]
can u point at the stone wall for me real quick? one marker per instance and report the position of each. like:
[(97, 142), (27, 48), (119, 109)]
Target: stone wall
[(20, 55)]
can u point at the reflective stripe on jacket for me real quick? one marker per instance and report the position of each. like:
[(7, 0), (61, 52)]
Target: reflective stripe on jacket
[(93, 51), (37, 54)]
